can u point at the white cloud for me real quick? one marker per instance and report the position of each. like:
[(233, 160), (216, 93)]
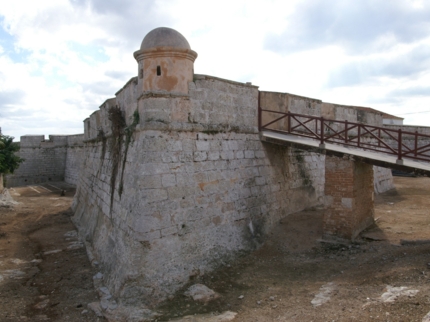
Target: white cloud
[(59, 59)]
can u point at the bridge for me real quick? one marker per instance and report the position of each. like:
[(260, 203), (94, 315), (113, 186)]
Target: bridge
[(395, 149), (351, 150)]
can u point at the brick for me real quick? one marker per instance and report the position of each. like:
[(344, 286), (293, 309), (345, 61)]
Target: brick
[(349, 193)]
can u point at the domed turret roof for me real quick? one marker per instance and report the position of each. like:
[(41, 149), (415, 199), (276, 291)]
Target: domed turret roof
[(164, 37)]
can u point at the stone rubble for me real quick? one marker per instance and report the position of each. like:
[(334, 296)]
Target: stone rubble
[(324, 294), (201, 293), (393, 293)]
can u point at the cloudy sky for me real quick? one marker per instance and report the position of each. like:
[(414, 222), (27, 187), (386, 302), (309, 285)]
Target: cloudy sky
[(61, 59)]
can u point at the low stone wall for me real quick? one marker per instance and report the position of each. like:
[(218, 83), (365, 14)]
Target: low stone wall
[(355, 114), (56, 159), (44, 160), (286, 102), (410, 128)]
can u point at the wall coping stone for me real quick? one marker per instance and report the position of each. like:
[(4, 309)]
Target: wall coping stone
[(133, 79), (316, 100), (209, 77)]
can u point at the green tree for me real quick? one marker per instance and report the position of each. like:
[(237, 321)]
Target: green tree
[(9, 162)]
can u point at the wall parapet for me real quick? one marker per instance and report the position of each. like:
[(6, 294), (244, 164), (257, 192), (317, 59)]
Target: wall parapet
[(352, 113), (410, 128), (213, 105)]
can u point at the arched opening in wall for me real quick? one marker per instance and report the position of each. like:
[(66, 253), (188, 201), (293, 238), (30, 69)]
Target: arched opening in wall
[(141, 73), (158, 70)]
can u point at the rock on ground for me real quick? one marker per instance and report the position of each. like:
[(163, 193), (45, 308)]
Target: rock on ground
[(201, 293)]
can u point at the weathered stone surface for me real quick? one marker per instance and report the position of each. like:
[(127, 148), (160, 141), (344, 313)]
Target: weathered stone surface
[(187, 196)]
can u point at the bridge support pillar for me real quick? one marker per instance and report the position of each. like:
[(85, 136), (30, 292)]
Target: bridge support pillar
[(349, 198)]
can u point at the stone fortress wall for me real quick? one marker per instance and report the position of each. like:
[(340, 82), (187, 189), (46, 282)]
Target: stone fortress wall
[(193, 188), (59, 157), (56, 159)]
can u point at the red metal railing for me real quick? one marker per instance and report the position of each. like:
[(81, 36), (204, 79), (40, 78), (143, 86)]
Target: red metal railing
[(401, 143)]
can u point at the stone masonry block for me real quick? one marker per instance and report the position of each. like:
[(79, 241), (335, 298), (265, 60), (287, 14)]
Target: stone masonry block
[(153, 195), (239, 154), (186, 156), (214, 175), (200, 156), (202, 145), (225, 146), (188, 145), (168, 180), (154, 168), (227, 155), (260, 181), (216, 145), (260, 154), (174, 145), (169, 231), (180, 192), (184, 179), (347, 202), (149, 236), (232, 145), (213, 155), (200, 177), (249, 154), (169, 157)]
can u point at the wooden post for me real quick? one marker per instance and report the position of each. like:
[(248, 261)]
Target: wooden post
[(399, 146), (346, 131), (416, 143), (322, 131)]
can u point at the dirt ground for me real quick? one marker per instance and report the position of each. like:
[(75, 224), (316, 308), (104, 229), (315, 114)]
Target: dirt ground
[(45, 274), (383, 276)]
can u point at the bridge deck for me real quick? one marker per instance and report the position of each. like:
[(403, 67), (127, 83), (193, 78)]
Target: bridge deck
[(379, 159)]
